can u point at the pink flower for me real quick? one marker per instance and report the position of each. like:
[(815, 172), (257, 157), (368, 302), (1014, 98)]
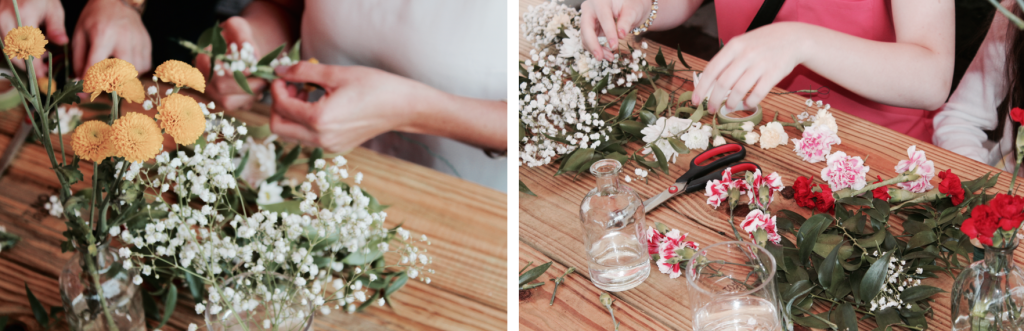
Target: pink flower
[(774, 184), (654, 238), (673, 247), (716, 192), (816, 143), (845, 171), (921, 166), (757, 219), (739, 184)]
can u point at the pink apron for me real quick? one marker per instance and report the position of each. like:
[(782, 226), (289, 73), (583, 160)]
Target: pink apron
[(868, 19)]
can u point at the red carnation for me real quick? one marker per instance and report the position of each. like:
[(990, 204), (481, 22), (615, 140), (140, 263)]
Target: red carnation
[(825, 200), (982, 225), (950, 186), (1017, 114), (883, 191), (802, 192), (1009, 209)]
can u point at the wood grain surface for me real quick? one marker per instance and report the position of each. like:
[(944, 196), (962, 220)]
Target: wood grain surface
[(466, 224), (549, 222)]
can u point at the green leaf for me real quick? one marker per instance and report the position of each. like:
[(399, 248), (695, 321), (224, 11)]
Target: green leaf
[(289, 206), (829, 266), (873, 241), (847, 317), (921, 239), (662, 160), (680, 55), (360, 258), (266, 59), (397, 284), (648, 117), (601, 84), (206, 37), (873, 280), (218, 45), (578, 158), (632, 127), (294, 52), (919, 292), (662, 98), (37, 308), (194, 286), (887, 317), (678, 145), (808, 234), (259, 132), (532, 274), (292, 156), (71, 173), (617, 157), (240, 78), (170, 301), (626, 110), (524, 189), (660, 59)]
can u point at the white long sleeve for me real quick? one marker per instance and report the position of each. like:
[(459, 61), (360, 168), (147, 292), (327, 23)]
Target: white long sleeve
[(960, 124)]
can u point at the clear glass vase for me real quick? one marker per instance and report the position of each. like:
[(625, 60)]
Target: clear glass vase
[(270, 314), (989, 295), (612, 215), (79, 293)]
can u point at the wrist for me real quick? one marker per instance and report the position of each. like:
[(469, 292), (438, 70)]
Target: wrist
[(424, 102)]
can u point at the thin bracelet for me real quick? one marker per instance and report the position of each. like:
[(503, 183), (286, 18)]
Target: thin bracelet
[(650, 19)]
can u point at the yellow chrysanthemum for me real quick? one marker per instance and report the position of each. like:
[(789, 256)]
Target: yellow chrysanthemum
[(43, 82), (91, 141), (131, 91), (313, 60), (181, 74), (136, 137), (181, 117), (24, 42), (107, 76)]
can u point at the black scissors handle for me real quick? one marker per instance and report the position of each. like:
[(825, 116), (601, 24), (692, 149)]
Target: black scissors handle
[(732, 153), (698, 184)]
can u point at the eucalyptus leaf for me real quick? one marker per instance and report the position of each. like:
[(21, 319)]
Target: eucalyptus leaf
[(662, 160), (626, 110), (266, 59), (397, 284), (662, 97), (828, 266), (37, 308), (170, 301), (293, 54), (532, 274), (524, 189), (921, 239), (809, 233), (660, 59), (678, 145), (919, 292), (240, 78)]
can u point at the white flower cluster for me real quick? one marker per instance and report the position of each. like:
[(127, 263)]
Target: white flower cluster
[(219, 240), (54, 207), (694, 135), (896, 281), (245, 59), (558, 96), (68, 117)]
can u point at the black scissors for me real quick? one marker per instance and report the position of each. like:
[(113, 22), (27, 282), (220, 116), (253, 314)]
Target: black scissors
[(697, 177)]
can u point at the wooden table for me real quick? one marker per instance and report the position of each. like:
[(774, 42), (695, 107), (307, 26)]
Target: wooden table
[(466, 224), (549, 228)]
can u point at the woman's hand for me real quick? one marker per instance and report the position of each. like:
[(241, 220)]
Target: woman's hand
[(110, 28), (753, 62), (613, 19), (35, 13), (224, 90), (360, 104)]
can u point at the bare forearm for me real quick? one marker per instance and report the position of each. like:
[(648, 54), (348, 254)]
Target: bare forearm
[(672, 13), (273, 23), (477, 122)]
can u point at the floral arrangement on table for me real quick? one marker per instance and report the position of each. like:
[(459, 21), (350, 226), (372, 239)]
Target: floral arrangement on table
[(240, 61), (216, 215)]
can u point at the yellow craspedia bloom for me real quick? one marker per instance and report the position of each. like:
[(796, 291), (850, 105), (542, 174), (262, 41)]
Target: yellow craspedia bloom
[(91, 141), (136, 137), (131, 91), (182, 118), (181, 74), (24, 42), (43, 82), (107, 76)]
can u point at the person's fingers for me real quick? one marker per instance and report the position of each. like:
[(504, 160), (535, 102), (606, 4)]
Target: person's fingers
[(287, 105), (740, 89), (328, 77), (627, 19), (101, 47), (292, 130), (588, 30), (237, 30), (718, 63), (764, 86), (7, 21), (54, 20), (723, 85), (79, 47), (202, 62), (607, 22)]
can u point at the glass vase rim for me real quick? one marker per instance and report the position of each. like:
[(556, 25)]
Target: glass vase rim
[(1008, 249), (595, 168), (769, 278)]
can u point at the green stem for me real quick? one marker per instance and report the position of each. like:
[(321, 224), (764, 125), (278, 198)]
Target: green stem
[(91, 265), (731, 223), (1016, 169), (902, 178)]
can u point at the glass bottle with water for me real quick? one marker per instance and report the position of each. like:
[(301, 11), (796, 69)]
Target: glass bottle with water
[(612, 215)]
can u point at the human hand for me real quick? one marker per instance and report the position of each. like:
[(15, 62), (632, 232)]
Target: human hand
[(753, 62), (35, 13), (224, 90), (613, 19), (110, 28), (360, 104)]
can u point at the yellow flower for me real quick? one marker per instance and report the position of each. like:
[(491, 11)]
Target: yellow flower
[(313, 60), (131, 91), (43, 81), (181, 74), (107, 76), (90, 141), (181, 117), (136, 137), (24, 42)]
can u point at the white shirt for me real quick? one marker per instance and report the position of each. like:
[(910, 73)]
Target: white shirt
[(456, 46), (961, 122)]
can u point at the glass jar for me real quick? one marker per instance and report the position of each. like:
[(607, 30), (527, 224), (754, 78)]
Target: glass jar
[(732, 287), (79, 293), (989, 294), (612, 215), (274, 314)]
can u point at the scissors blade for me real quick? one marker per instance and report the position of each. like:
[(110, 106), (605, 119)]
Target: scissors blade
[(12, 149), (668, 193)]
